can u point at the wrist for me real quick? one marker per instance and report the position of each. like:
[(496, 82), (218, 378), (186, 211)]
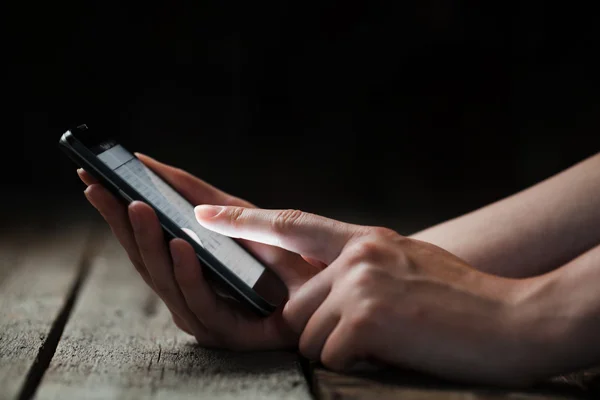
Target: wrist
[(551, 327)]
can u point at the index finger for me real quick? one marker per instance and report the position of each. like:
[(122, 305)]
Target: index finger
[(303, 233)]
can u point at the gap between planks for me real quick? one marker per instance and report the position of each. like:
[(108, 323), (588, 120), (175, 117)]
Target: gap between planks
[(48, 348)]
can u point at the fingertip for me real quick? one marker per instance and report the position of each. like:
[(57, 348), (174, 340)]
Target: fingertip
[(99, 196), (178, 245), (205, 212), (139, 213), (132, 208), (101, 199), (146, 159), (85, 177), (91, 191), (137, 206)]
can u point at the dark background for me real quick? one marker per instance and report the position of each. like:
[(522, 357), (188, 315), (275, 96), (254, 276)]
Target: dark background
[(398, 113)]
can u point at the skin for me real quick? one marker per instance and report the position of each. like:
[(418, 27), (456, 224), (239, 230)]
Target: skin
[(367, 293), (531, 232)]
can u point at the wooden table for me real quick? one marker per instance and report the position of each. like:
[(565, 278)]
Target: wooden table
[(76, 321)]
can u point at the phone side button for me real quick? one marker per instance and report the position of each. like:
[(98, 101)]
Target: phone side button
[(125, 196)]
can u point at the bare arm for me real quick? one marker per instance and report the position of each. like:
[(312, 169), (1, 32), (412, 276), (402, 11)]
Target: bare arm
[(562, 311), (531, 232)]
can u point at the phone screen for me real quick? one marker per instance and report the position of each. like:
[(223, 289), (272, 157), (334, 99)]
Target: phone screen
[(164, 198)]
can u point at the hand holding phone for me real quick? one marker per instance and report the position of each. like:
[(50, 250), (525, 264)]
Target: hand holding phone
[(179, 277)]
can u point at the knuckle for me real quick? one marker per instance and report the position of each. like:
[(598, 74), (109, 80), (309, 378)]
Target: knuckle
[(285, 219), (374, 307), (382, 233), (366, 315), (236, 216), (376, 246), (363, 276), (368, 250), (409, 267), (359, 321)]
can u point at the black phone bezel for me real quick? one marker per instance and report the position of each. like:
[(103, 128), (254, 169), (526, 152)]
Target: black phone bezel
[(81, 154)]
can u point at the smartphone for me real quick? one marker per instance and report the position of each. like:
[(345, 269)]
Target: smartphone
[(228, 265)]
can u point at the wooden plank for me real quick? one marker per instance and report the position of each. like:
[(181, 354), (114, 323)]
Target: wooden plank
[(38, 268), (121, 343), (407, 385)]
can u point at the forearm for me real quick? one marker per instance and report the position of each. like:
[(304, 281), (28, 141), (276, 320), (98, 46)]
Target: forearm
[(531, 232), (560, 317)]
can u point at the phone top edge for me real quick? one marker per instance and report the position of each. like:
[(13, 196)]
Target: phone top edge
[(66, 138)]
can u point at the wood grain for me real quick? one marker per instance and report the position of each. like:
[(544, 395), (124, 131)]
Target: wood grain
[(38, 267), (383, 384), (121, 343)]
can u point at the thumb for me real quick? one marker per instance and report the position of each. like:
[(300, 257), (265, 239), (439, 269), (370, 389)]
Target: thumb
[(307, 234)]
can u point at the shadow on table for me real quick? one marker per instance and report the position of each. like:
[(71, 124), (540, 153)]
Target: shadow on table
[(392, 382), (195, 360)]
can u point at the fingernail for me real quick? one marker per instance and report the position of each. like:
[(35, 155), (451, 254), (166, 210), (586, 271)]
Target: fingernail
[(206, 212), (79, 170), (134, 217)]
